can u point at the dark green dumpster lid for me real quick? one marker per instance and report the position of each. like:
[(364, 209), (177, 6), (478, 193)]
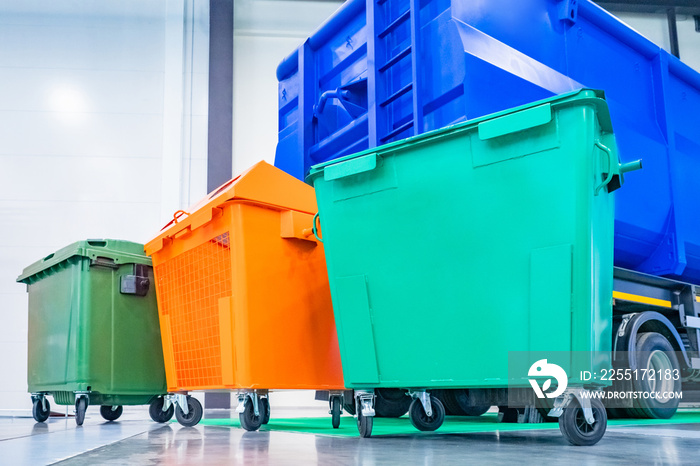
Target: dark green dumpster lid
[(591, 96), (114, 251)]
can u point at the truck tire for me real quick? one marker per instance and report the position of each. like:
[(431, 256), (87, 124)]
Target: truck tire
[(461, 397), (655, 353), (391, 402), (448, 401)]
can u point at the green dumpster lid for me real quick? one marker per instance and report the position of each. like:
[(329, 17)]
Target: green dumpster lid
[(121, 252), (578, 97)]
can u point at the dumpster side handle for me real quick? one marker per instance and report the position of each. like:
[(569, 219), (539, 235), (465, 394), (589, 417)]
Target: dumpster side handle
[(612, 162), (314, 229)]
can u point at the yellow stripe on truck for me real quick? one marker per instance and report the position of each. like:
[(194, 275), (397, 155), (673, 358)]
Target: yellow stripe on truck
[(642, 299), (697, 298)]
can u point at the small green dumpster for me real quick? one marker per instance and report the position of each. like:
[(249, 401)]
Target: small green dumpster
[(94, 335), (449, 252)]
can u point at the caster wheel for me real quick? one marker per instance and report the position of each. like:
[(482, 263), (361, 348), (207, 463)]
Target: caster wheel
[(249, 421), (111, 414), (576, 430), (264, 405), (194, 414), (81, 405), (364, 424), (38, 412), (421, 420), (335, 411), (155, 410)]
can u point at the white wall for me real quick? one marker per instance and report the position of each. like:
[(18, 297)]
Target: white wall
[(102, 134), (265, 32)]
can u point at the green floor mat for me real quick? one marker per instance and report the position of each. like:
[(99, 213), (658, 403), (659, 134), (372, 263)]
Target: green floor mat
[(452, 425)]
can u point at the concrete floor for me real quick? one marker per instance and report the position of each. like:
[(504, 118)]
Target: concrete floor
[(134, 439)]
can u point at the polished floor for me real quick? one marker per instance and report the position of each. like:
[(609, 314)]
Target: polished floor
[(135, 440)]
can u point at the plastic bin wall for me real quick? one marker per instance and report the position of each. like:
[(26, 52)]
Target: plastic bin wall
[(379, 71), (447, 248), (243, 292), (93, 324)]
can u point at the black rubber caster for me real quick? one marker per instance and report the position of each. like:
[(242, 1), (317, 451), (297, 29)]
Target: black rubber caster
[(335, 411), (249, 421), (155, 410), (194, 414), (111, 414), (421, 420), (38, 412), (364, 424), (81, 405), (576, 430)]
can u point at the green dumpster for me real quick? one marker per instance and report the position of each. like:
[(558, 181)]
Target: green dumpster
[(94, 335), (450, 252)]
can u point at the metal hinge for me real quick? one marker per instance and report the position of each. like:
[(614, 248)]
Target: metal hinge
[(623, 325), (568, 10)]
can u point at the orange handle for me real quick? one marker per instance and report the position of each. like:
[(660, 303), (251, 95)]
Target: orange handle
[(178, 214)]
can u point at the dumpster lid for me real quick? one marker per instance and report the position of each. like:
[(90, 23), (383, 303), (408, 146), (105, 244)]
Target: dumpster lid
[(261, 184), (115, 251), (589, 96)]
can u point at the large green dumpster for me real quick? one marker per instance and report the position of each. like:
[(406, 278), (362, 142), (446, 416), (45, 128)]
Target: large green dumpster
[(450, 251), (94, 335)]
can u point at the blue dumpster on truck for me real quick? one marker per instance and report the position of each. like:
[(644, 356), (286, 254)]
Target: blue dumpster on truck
[(383, 70)]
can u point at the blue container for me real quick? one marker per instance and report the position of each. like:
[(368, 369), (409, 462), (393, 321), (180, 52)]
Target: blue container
[(380, 71)]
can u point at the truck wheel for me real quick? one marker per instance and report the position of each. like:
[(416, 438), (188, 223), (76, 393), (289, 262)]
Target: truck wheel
[(448, 401), (38, 412), (391, 402), (508, 415), (421, 420), (364, 424), (264, 405), (194, 413), (576, 430), (111, 414), (81, 405), (155, 410), (461, 397), (249, 421), (654, 354)]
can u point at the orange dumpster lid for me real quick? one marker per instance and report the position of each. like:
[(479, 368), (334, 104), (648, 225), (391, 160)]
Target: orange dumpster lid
[(262, 183)]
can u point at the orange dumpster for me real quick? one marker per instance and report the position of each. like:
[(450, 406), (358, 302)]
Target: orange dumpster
[(243, 297)]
